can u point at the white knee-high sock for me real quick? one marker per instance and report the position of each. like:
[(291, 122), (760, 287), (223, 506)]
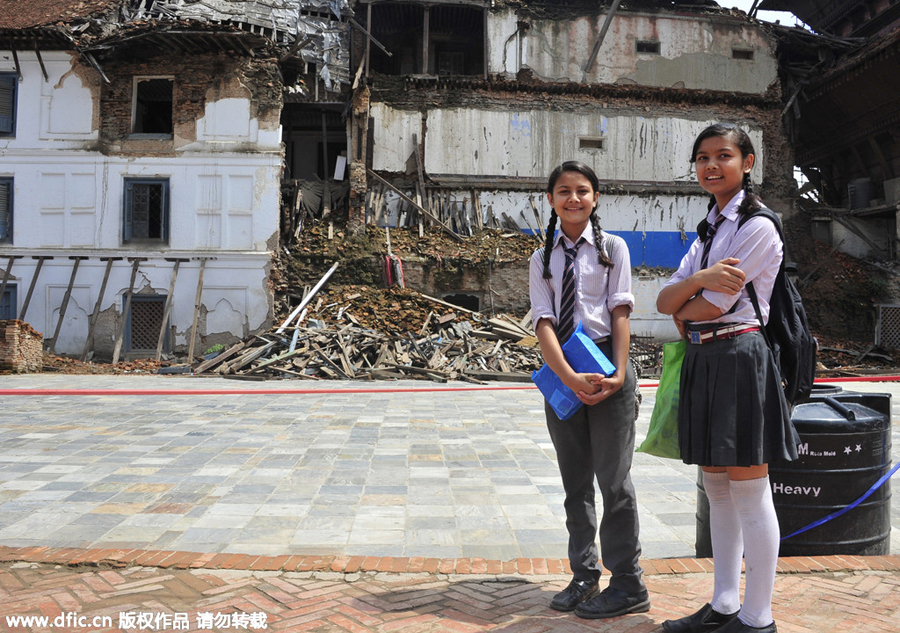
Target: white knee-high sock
[(759, 523), (727, 543)]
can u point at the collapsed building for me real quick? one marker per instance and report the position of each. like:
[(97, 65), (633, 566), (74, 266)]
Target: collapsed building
[(841, 88), (473, 103), (155, 151), (842, 116), (142, 160)]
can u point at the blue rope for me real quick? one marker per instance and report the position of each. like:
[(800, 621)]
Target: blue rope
[(878, 484)]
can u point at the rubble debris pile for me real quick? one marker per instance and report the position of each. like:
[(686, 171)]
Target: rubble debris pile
[(359, 332)]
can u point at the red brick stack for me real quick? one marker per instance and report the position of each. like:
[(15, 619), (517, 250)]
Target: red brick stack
[(21, 347)]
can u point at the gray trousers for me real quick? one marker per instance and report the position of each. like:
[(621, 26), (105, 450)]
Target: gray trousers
[(598, 442)]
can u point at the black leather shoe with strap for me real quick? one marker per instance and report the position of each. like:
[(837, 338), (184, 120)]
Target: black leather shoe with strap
[(736, 626), (703, 621), (611, 603), (577, 592)]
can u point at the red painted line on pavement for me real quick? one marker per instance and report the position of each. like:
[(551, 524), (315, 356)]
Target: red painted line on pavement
[(859, 379), (821, 381)]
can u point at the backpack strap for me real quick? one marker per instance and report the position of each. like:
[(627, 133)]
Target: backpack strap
[(752, 292), (768, 213), (607, 245)]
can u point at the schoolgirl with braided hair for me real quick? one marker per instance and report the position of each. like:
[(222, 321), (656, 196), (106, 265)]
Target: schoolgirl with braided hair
[(588, 173), (733, 419), (583, 274)]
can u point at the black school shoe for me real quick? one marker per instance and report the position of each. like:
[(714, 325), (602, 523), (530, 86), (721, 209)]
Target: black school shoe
[(611, 603), (577, 592), (704, 621), (736, 626)]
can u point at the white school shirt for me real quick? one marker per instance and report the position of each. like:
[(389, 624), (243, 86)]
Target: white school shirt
[(598, 289), (758, 247)]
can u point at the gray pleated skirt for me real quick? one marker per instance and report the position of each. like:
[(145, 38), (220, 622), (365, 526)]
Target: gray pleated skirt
[(732, 410)]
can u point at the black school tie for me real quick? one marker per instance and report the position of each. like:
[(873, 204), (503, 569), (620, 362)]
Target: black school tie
[(707, 245), (566, 322)]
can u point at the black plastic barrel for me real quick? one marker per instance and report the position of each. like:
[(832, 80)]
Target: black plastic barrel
[(845, 448)]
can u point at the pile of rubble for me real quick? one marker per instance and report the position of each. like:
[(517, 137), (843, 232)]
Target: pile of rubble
[(360, 332), (66, 365), (843, 358)]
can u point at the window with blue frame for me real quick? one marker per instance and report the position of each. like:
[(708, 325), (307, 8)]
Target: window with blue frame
[(9, 83), (8, 303), (6, 210), (146, 213)]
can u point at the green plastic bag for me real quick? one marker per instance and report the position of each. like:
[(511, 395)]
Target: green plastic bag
[(662, 438)]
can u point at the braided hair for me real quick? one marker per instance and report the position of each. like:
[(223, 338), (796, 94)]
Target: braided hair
[(587, 172), (751, 202)]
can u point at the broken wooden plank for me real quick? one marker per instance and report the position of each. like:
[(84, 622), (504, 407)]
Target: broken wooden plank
[(409, 200), (307, 298), (219, 358)]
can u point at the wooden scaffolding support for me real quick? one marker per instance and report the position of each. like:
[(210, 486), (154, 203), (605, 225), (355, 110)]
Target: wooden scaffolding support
[(6, 277), (190, 358), (65, 304), (168, 308), (88, 342), (120, 334), (34, 278)]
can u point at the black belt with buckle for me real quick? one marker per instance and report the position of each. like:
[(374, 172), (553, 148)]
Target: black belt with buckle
[(699, 337)]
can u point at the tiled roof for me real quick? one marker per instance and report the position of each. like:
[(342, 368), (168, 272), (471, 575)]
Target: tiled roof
[(16, 14)]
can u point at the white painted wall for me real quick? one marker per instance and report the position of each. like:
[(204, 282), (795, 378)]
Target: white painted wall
[(54, 114), (237, 301), (530, 143), (224, 193), (75, 200), (694, 50)]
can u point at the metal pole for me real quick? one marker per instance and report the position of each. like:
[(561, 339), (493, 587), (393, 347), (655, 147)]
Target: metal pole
[(601, 36)]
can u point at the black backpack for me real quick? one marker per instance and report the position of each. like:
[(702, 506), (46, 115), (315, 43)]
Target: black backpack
[(787, 332)]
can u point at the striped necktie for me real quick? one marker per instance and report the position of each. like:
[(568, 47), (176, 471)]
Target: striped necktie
[(707, 244), (566, 322)]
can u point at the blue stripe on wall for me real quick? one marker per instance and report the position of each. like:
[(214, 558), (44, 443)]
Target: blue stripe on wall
[(661, 249)]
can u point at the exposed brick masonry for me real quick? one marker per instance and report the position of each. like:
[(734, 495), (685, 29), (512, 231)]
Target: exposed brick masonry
[(196, 78), (21, 347)]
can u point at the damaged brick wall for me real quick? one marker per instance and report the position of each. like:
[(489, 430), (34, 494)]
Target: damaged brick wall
[(497, 286), (197, 78), (527, 94), (21, 347)]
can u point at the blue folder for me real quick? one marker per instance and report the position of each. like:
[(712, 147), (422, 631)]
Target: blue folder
[(583, 356)]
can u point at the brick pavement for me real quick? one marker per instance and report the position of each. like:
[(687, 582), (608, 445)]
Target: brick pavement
[(335, 594), (97, 518)]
